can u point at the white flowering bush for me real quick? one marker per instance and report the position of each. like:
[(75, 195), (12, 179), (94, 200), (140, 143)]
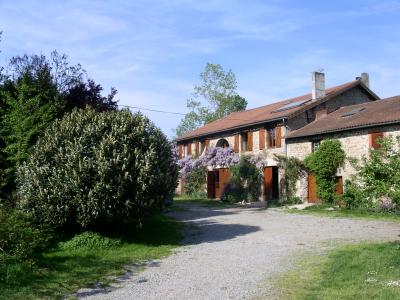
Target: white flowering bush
[(94, 169)]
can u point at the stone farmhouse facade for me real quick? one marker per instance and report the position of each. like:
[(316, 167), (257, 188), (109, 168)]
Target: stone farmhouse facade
[(351, 113)]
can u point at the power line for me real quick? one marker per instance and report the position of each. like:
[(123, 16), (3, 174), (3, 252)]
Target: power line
[(154, 110), (178, 113)]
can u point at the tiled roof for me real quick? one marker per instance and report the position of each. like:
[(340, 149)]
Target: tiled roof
[(380, 112), (267, 113)]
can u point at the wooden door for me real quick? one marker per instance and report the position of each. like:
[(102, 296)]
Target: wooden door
[(268, 183), (339, 185), (312, 189), (224, 176), (211, 184)]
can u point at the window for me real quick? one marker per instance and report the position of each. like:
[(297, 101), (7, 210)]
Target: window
[(247, 141), (274, 137), (315, 145), (261, 141), (374, 139), (244, 141)]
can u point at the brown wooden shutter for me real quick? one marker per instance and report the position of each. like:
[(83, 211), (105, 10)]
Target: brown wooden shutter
[(189, 149), (278, 137), (236, 143), (373, 139), (196, 147), (207, 143), (262, 138), (180, 152), (250, 141)]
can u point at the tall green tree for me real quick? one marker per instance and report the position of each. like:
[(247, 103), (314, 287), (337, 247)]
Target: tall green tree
[(214, 98), (34, 92)]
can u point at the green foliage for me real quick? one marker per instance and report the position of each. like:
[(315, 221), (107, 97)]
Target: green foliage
[(378, 176), (323, 163), (244, 183), (92, 169), (20, 239), (61, 272), (34, 92), (218, 90), (355, 197), (293, 169), (195, 182), (89, 240)]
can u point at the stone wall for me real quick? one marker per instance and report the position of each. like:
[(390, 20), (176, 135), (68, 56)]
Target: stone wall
[(355, 143)]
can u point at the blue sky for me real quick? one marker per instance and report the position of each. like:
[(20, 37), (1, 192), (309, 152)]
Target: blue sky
[(153, 51)]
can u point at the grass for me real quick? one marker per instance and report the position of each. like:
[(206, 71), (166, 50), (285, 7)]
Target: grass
[(202, 201), (321, 210), (60, 271), (363, 271)]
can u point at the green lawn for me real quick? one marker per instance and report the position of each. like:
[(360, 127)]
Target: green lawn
[(63, 271), (202, 201), (321, 210), (364, 271)]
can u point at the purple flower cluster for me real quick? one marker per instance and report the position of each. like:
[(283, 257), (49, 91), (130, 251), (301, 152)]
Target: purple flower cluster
[(259, 161), (385, 203), (220, 157), (214, 157)]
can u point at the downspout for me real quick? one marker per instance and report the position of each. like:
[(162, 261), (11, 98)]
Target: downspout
[(286, 129)]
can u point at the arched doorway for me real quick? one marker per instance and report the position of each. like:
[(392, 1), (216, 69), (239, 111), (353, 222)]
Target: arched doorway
[(222, 143)]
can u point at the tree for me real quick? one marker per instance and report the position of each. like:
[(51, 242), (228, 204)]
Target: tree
[(34, 92), (215, 98), (90, 170)]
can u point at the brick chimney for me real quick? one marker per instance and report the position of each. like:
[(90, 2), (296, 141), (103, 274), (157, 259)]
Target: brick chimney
[(318, 85)]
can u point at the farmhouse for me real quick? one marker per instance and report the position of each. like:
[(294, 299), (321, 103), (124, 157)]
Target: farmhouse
[(350, 112)]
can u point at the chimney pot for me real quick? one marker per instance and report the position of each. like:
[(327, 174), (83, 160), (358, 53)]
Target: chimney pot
[(318, 85)]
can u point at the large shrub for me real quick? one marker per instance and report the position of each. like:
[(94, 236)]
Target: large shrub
[(244, 182), (92, 169), (324, 163), (20, 239), (377, 182)]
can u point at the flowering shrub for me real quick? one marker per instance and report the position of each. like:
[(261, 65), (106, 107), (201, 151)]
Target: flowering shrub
[(260, 161), (214, 157)]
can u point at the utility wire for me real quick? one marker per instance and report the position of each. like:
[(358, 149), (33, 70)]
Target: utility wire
[(176, 113), (155, 110)]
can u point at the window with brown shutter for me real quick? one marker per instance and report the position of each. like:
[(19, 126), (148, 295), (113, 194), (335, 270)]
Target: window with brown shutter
[(250, 141), (243, 141), (374, 138), (278, 137), (274, 137), (262, 138), (189, 149), (196, 148), (180, 152), (207, 143), (236, 143)]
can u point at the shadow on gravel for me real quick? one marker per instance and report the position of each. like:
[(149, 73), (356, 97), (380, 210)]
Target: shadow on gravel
[(209, 232)]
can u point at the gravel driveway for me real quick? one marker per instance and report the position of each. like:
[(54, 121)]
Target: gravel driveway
[(233, 253)]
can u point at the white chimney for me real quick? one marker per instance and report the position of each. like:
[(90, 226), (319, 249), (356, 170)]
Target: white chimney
[(364, 79), (318, 85)]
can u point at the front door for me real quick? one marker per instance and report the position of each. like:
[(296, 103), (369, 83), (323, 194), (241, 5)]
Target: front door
[(211, 184), (312, 189), (216, 182), (271, 189)]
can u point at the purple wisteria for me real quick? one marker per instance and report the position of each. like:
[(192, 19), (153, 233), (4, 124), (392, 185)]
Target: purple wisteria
[(214, 157)]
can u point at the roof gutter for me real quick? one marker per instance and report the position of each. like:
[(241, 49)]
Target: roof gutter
[(229, 129), (345, 129)]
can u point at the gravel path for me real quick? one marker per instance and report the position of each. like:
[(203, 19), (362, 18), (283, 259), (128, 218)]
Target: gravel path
[(232, 253)]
